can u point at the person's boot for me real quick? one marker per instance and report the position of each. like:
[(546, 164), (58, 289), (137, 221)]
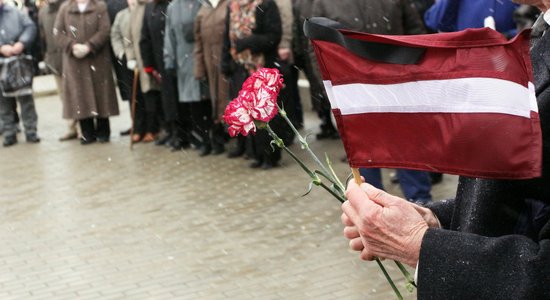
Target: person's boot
[(179, 144), (217, 148), (206, 146), (10, 140), (239, 149), (32, 138), (218, 140)]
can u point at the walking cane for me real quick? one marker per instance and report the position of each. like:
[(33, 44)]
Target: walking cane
[(133, 112)]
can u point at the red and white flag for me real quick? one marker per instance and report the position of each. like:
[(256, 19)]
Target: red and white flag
[(460, 103)]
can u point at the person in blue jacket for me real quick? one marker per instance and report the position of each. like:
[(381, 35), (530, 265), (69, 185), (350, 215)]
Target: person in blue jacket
[(456, 15)]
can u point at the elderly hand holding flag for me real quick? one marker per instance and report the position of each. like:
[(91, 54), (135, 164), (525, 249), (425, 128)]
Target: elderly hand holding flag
[(382, 225)]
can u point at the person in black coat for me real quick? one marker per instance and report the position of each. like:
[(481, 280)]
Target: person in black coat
[(492, 241), (122, 74), (245, 52), (151, 46)]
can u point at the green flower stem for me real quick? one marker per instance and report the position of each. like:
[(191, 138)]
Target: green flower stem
[(303, 141), (317, 181), (331, 176), (408, 277), (329, 163), (397, 293), (340, 198), (279, 142)]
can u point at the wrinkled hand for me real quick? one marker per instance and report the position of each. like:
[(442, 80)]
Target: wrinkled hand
[(284, 53), (382, 225)]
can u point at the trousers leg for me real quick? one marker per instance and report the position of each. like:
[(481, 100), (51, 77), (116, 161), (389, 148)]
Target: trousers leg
[(415, 185), (88, 129), (152, 100), (201, 118), (373, 176), (183, 124), (28, 113), (139, 113), (103, 128), (7, 116)]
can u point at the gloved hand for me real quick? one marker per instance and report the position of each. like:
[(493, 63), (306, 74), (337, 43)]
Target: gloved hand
[(131, 64), (80, 50), (157, 76), (42, 66)]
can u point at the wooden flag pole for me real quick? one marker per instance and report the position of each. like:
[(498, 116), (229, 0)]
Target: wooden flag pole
[(133, 105), (356, 175)]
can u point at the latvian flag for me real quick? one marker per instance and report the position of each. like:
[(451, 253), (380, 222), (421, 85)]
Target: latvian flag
[(460, 103)]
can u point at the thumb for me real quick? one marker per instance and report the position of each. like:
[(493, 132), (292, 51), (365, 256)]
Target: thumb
[(378, 196), (358, 199)]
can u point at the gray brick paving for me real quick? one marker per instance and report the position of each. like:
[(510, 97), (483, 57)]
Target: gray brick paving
[(104, 222)]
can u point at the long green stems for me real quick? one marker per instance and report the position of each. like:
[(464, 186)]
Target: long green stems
[(408, 277), (317, 181), (302, 140), (397, 293)]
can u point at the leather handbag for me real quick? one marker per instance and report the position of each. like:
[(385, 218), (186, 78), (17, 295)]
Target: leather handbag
[(16, 74)]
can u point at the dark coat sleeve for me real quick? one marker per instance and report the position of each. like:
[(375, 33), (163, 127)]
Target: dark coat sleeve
[(299, 43), (264, 41), (412, 21), (102, 36), (28, 35), (459, 265), (61, 36), (226, 59), (443, 210), (145, 41)]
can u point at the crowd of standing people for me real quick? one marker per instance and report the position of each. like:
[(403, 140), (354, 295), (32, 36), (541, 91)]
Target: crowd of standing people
[(178, 63)]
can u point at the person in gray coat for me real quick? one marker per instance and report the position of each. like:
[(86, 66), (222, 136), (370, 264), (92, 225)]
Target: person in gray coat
[(193, 108), (18, 34)]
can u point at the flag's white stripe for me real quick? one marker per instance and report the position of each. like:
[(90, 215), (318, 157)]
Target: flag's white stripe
[(463, 95)]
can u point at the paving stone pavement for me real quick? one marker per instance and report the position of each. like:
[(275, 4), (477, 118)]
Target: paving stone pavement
[(104, 222)]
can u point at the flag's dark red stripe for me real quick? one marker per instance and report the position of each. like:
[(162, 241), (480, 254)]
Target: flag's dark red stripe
[(507, 61), (473, 144)]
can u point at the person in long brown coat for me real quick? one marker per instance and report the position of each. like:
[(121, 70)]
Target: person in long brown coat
[(209, 29), (82, 29)]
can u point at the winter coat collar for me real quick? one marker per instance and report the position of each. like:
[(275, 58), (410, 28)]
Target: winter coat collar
[(91, 7)]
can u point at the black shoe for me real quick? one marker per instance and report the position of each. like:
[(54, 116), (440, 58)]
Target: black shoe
[(163, 140), (255, 164), (218, 149), (32, 138), (327, 134), (103, 139), (268, 165), (10, 140), (178, 144), (238, 151), (126, 132), (85, 141), (205, 150)]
